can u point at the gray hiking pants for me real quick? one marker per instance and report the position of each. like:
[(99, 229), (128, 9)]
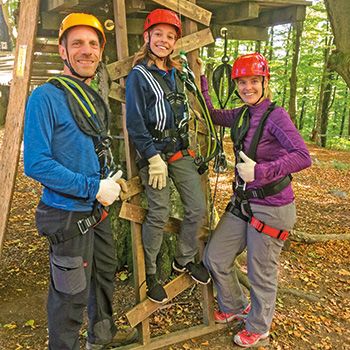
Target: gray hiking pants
[(82, 271), (231, 237), (186, 179)]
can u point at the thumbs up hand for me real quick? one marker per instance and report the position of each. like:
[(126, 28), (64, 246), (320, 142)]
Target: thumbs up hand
[(246, 169)]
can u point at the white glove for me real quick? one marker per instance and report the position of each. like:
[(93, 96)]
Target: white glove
[(109, 189), (158, 172), (246, 169)]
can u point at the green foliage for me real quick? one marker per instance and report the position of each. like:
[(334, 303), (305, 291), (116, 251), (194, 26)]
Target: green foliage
[(339, 143), (340, 165)]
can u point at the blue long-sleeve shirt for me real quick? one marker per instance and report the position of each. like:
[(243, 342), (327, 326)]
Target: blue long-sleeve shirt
[(57, 153)]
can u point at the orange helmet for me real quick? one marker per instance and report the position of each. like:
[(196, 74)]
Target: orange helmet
[(81, 19), (159, 16), (250, 64)]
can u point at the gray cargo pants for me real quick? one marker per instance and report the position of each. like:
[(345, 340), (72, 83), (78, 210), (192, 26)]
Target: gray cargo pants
[(186, 179), (230, 238), (82, 272)]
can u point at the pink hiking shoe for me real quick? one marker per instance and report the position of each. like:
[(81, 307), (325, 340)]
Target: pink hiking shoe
[(223, 317), (247, 339)]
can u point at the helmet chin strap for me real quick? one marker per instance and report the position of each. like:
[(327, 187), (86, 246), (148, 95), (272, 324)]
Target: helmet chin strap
[(73, 71), (149, 47), (262, 94)]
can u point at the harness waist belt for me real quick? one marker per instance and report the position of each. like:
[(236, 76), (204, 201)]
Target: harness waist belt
[(260, 226), (180, 154), (265, 191), (80, 227), (160, 135)]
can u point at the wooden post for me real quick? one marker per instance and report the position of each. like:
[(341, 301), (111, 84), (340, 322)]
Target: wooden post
[(137, 248), (10, 150), (207, 291)]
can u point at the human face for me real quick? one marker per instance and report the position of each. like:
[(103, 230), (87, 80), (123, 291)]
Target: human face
[(82, 50), (250, 89), (162, 39)]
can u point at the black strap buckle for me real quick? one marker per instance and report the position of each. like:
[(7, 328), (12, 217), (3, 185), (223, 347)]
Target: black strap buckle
[(85, 224)]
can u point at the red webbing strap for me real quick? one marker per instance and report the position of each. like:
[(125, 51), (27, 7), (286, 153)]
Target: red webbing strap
[(268, 230), (180, 154)]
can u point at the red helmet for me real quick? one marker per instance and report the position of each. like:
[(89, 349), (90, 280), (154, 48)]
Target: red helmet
[(250, 64), (159, 16)]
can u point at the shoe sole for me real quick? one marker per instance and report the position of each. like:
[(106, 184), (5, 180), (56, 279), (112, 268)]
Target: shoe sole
[(158, 301), (264, 337), (231, 319), (184, 270)]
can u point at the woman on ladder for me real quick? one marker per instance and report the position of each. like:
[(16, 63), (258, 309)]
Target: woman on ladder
[(268, 148), (157, 122)]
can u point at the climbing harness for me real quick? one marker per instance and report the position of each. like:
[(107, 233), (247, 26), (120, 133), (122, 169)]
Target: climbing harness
[(241, 206), (212, 138), (223, 87), (91, 114), (222, 83)]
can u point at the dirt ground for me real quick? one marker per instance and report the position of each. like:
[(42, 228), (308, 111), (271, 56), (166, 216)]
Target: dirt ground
[(313, 305)]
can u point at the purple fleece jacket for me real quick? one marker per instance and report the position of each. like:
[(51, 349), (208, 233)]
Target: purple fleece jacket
[(281, 150)]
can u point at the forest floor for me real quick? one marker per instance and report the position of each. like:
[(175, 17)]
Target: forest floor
[(313, 305)]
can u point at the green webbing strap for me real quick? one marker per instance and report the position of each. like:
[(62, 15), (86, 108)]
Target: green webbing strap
[(63, 81)]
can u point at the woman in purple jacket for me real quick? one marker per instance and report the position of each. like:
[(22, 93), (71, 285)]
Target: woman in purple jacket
[(268, 148)]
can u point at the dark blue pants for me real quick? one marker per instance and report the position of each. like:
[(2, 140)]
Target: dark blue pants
[(82, 271)]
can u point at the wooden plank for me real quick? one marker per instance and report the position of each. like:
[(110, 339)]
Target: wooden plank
[(267, 2), (117, 92), (135, 26), (134, 187), (144, 309), (10, 150), (279, 16), (137, 214), (134, 6), (189, 43), (58, 5), (187, 9), (241, 32), (166, 340), (237, 13)]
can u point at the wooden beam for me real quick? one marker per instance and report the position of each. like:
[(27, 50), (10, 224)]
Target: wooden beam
[(134, 187), (279, 16), (10, 150), (146, 308), (237, 13), (137, 214), (164, 341), (121, 68), (241, 32), (134, 6), (187, 9), (58, 5), (117, 92), (135, 26)]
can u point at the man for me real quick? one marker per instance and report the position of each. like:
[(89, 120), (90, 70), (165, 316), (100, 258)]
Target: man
[(66, 148)]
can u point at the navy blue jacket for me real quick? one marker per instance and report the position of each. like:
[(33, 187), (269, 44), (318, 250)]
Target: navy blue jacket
[(147, 109)]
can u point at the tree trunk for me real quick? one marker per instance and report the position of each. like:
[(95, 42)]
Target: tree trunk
[(338, 14), (285, 72), (317, 125), (342, 123), (4, 99), (293, 78), (302, 110)]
